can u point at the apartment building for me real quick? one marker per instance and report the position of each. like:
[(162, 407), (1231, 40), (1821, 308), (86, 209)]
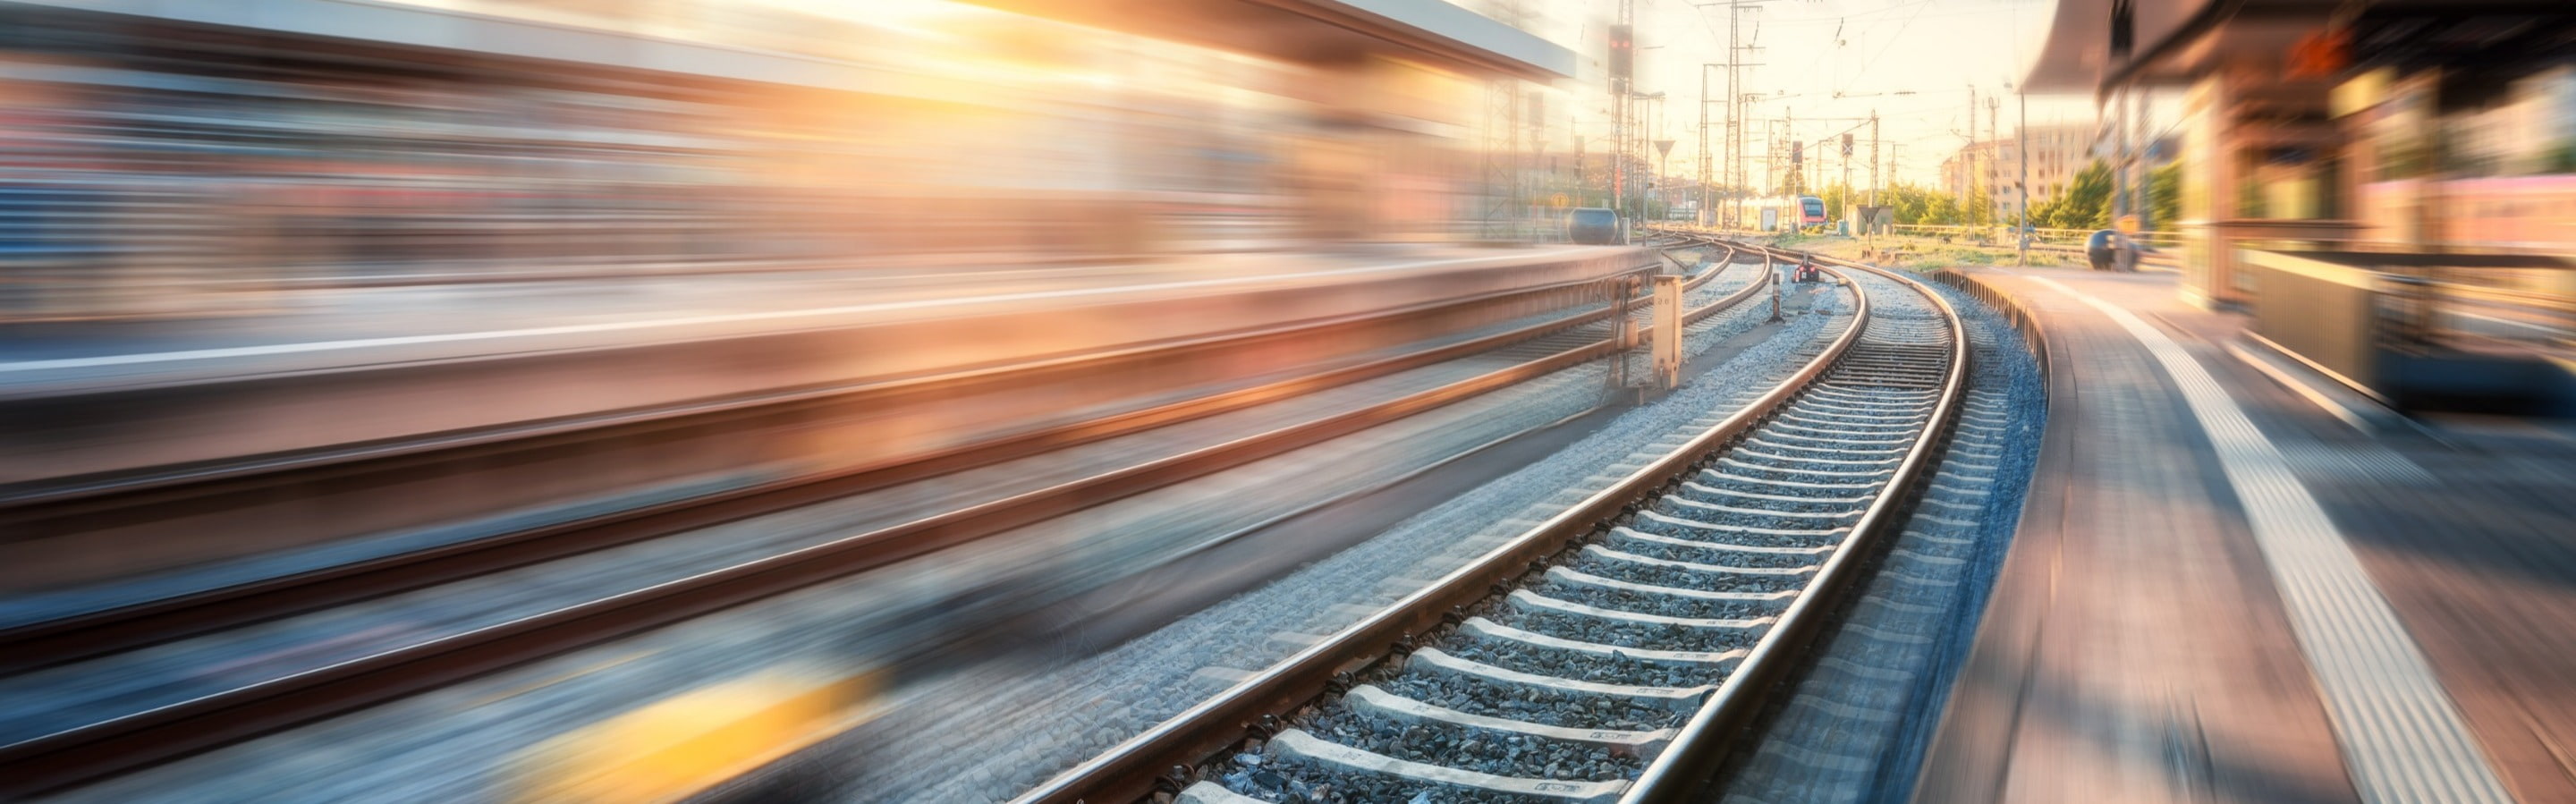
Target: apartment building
[(2057, 153)]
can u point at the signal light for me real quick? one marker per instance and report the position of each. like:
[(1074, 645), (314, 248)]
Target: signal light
[(1623, 52)]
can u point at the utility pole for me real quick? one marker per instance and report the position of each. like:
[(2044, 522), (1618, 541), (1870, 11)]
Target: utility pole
[(1893, 149), (1733, 175), (1703, 217), (2119, 155), (1623, 64), (2141, 206), (1770, 157), (1847, 184), (1873, 157), (2021, 222), (1995, 165), (1969, 196), (1735, 107)]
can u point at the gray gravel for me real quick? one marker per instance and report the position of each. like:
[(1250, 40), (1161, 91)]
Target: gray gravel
[(1714, 552), (1653, 575), (1438, 743), (1628, 634), (1664, 605), (1732, 512), (1529, 658), (1476, 696), (1744, 494), (1661, 524), (1289, 782)]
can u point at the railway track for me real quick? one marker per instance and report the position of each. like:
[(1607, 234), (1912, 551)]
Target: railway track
[(1612, 652), (149, 731)]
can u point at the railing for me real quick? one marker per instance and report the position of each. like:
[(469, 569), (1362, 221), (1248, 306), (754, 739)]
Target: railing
[(2002, 233), (2364, 316)]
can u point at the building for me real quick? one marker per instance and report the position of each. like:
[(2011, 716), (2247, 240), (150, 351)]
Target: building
[(2057, 153), (2399, 126)]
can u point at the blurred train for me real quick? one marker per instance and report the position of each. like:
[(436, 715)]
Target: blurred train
[(718, 741), (1787, 213)]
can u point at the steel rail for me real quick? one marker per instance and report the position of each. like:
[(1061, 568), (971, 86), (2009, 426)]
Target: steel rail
[(1132, 770), (88, 753), (1705, 742), (90, 634)]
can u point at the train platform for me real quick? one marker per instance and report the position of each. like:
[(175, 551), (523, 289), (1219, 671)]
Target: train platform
[(2232, 584)]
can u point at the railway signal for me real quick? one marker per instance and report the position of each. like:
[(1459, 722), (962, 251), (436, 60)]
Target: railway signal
[(1623, 52)]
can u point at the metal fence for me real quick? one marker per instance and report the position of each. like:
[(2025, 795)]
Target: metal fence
[(2003, 234)]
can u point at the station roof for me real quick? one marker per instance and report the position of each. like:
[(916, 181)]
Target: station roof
[(1317, 31), (1324, 31), (2077, 56), (2176, 41)]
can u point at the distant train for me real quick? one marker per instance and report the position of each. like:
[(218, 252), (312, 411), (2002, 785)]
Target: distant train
[(1787, 212)]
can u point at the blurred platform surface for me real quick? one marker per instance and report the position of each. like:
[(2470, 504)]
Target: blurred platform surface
[(92, 398), (359, 324), (2227, 586)]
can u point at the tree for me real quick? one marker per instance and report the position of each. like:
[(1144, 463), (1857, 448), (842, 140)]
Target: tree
[(2164, 196), (1919, 205), (1942, 209), (1837, 199), (2085, 203)]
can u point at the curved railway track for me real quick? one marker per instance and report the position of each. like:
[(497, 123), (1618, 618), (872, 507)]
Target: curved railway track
[(1614, 651), (89, 750)]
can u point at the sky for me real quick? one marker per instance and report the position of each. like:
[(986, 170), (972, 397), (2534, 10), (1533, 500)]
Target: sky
[(1808, 52), (1864, 49)]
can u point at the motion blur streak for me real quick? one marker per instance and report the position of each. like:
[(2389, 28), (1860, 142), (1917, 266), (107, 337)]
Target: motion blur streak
[(392, 392), (145, 164)]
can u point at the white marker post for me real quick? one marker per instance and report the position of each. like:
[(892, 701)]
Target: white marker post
[(1668, 330)]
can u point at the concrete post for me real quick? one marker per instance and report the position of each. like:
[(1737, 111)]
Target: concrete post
[(1668, 330)]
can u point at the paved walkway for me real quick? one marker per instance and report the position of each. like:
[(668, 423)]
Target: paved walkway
[(2221, 591)]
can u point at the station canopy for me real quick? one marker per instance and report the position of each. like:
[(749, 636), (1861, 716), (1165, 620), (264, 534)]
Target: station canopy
[(2173, 42), (1324, 31)]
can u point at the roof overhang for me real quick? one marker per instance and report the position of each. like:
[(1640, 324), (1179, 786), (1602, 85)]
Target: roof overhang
[(2179, 41), (2077, 56), (1324, 31)]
